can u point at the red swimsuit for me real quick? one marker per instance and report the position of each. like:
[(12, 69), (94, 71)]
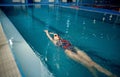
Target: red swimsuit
[(65, 44)]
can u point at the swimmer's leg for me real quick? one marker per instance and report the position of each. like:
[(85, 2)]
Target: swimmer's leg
[(96, 66), (83, 55), (103, 70), (93, 71)]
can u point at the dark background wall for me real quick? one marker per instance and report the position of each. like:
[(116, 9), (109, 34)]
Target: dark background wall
[(108, 2), (30, 1), (112, 2), (88, 1), (115, 2), (69, 1), (1, 1), (5, 1)]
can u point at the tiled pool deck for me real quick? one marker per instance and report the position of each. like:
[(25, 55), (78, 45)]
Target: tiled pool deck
[(8, 67)]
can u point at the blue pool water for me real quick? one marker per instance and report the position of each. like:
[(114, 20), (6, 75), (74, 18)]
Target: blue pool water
[(98, 34)]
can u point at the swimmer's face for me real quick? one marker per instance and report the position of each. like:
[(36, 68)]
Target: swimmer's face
[(56, 37)]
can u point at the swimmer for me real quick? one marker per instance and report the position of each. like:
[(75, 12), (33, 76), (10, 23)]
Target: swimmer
[(78, 55)]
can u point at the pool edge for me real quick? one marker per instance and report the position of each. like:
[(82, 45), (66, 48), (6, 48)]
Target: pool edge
[(27, 60)]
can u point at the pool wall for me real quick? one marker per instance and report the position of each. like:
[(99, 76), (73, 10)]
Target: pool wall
[(27, 61)]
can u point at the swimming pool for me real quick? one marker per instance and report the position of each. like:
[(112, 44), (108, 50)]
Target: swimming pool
[(95, 33)]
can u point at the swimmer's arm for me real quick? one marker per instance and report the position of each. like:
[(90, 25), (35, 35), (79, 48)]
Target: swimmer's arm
[(48, 35), (51, 33)]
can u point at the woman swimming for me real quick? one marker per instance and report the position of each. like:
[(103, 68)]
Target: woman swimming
[(78, 55)]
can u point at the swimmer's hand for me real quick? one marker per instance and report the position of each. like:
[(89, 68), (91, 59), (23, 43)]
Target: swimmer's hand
[(51, 33), (46, 31)]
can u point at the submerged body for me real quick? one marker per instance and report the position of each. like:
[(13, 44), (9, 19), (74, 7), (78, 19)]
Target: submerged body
[(79, 55)]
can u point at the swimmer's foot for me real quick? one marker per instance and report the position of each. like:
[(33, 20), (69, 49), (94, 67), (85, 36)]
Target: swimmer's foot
[(113, 76)]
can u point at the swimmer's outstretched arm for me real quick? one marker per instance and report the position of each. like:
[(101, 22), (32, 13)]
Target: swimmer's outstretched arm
[(48, 35)]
